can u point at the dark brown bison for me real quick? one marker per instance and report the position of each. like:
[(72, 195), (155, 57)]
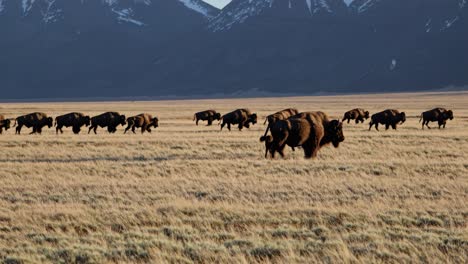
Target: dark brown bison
[(311, 132), (208, 115), (441, 115), (35, 120), (4, 123), (281, 115), (357, 114), (240, 117), (111, 120), (74, 120), (389, 118), (143, 121)]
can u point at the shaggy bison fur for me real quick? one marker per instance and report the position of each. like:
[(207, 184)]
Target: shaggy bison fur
[(241, 117), (111, 120), (208, 115), (439, 115), (74, 120), (357, 114), (389, 118), (35, 120), (311, 131), (143, 121)]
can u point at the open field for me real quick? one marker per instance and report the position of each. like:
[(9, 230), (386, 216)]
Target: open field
[(194, 194)]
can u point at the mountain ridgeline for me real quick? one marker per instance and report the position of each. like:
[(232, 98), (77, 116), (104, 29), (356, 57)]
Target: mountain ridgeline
[(125, 48)]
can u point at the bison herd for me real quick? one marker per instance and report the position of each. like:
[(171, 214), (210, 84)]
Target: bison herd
[(110, 120), (289, 127)]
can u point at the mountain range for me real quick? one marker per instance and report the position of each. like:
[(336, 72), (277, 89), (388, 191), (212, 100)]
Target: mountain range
[(124, 48)]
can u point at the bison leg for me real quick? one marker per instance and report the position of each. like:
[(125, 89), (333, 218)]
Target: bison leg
[(281, 150), (229, 126), (370, 125), (394, 126), (1, 130), (427, 124), (196, 122), (18, 129), (377, 126), (210, 121), (240, 126), (144, 128), (127, 128), (387, 126)]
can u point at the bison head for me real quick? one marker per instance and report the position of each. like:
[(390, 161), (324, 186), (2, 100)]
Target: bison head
[(155, 122), (76, 130), (87, 121), (123, 121), (335, 132), (253, 118), (402, 117), (366, 114), (6, 124), (217, 116), (50, 122), (449, 114)]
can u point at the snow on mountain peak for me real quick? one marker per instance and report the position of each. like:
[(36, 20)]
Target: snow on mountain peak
[(238, 11), (197, 6)]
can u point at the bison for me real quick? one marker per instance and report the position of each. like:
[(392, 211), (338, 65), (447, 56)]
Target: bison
[(74, 120), (208, 115), (281, 115), (143, 121), (111, 120), (241, 117), (35, 120), (441, 115), (357, 114), (389, 117), (311, 132), (4, 123)]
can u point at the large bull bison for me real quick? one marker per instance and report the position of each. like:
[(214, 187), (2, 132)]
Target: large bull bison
[(441, 115), (357, 114), (74, 120), (4, 123), (143, 121), (389, 117), (35, 120), (111, 120), (208, 115), (312, 131), (281, 115), (241, 117)]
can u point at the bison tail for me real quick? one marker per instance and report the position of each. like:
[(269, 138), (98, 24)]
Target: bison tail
[(15, 123), (194, 117), (421, 118), (266, 138), (266, 119)]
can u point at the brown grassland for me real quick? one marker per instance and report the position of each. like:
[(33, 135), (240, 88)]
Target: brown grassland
[(187, 194)]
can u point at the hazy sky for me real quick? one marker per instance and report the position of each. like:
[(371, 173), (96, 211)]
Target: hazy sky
[(218, 3)]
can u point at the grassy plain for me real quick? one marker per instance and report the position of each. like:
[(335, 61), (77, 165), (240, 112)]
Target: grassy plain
[(194, 194)]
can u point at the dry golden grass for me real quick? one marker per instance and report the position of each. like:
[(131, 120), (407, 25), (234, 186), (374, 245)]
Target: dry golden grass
[(194, 194)]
